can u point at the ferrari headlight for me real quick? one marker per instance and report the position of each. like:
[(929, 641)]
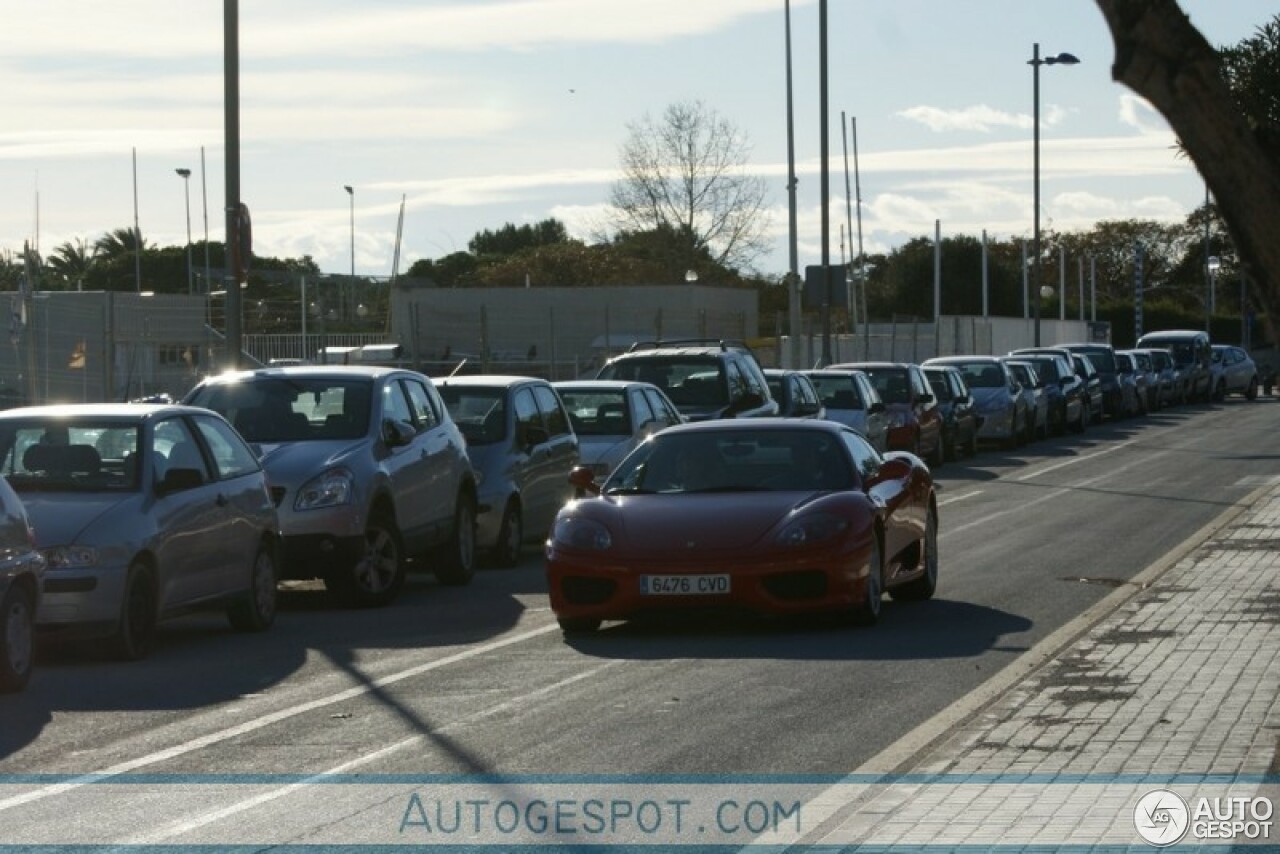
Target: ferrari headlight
[(71, 557), (331, 489), (577, 532), (811, 530)]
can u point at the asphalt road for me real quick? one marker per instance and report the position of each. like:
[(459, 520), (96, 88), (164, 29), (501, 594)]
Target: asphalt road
[(478, 680)]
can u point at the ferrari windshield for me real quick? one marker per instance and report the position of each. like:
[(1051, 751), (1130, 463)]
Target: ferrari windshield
[(742, 460)]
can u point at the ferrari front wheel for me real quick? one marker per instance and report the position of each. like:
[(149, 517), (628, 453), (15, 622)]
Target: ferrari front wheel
[(867, 612)]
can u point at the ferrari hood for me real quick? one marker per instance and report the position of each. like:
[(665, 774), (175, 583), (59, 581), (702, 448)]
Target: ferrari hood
[(655, 524)]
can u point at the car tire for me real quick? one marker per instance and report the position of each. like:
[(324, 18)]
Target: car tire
[(1251, 393), (579, 625), (1220, 392), (506, 548), (374, 579), (973, 443), (922, 588), (135, 633), (867, 612), (255, 611), (950, 451), (459, 563), (17, 639)]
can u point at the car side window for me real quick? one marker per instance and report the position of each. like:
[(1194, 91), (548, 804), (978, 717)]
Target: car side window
[(173, 440), (553, 413), (737, 383), (643, 412), (396, 406), (661, 408), (423, 411), (527, 416), (865, 458), (231, 456)]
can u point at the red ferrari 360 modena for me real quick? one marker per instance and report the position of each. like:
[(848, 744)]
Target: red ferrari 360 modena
[(769, 515)]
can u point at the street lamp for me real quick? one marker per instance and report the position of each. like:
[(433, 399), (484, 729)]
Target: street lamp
[(185, 174), (352, 194), (1215, 264), (1035, 62)]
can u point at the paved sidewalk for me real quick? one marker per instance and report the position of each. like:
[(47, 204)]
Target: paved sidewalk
[(1178, 690)]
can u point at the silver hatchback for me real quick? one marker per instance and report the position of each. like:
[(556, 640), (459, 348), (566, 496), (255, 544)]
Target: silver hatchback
[(143, 512), (366, 468), (21, 569), (522, 447)]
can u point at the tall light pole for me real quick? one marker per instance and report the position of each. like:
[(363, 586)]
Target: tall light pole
[(1035, 62), (352, 194), (185, 175)]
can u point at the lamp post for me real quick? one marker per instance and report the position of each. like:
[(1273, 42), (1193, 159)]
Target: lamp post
[(352, 194), (185, 175), (1215, 264), (1035, 62)]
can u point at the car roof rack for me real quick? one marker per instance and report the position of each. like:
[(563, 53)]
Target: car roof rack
[(723, 343)]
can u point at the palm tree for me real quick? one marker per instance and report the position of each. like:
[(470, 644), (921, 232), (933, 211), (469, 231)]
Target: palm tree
[(71, 262), (118, 243)]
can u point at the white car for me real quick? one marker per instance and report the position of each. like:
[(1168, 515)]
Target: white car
[(1234, 372), (612, 417)]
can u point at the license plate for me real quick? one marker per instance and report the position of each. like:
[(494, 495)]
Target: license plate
[(684, 585)]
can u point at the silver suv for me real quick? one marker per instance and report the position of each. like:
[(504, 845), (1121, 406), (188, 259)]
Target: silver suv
[(704, 381), (366, 468)]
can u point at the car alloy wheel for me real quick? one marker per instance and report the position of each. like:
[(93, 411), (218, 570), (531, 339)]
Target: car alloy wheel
[(923, 587), (506, 549), (256, 610), (137, 628), (459, 563), (17, 640), (867, 612)]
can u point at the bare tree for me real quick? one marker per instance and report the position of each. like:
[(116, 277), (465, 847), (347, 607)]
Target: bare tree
[(685, 175), (1161, 56)]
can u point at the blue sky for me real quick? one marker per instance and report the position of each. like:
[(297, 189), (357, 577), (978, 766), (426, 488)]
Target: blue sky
[(484, 112)]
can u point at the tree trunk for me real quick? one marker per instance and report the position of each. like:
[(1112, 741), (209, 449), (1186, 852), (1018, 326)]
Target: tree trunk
[(1162, 57)]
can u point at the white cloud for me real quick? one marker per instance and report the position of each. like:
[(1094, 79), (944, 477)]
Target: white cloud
[(979, 117), (1137, 113)]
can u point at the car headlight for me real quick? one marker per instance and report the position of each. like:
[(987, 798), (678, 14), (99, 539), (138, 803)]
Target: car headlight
[(811, 530), (71, 557), (577, 532), (331, 489)]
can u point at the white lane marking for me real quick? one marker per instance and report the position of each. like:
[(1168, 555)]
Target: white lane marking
[(1075, 460), (953, 499), (269, 719), (191, 824)]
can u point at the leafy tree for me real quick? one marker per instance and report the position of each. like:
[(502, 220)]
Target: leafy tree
[(70, 262), (512, 238), (1161, 56), (685, 174)]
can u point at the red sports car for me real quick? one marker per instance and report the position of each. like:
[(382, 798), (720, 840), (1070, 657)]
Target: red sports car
[(770, 515)]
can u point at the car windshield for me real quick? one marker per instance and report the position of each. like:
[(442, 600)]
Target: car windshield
[(479, 411), (70, 456), (597, 412), (981, 374), (892, 384), (836, 392), (939, 385), (1021, 374), (291, 409), (726, 461), (1046, 368), (690, 381), (1103, 360)]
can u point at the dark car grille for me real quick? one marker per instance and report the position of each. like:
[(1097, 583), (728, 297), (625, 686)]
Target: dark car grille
[(810, 584), (588, 591)]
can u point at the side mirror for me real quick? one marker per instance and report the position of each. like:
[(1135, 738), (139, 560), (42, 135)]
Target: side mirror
[(534, 436), (876, 407), (396, 433), (926, 398), (582, 479), (892, 468), (177, 480)]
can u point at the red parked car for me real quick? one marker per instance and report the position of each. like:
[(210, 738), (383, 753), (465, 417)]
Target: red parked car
[(768, 515), (915, 424)]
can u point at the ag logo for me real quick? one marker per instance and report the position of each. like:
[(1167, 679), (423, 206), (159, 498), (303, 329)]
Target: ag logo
[(1161, 817)]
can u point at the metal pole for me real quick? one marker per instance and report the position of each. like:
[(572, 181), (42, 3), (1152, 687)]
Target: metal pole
[(848, 214), (1026, 272), (231, 131), (793, 276), (185, 174), (204, 193), (824, 155), (986, 308), (861, 260), (1035, 145), (137, 230), (1062, 283), (1080, 268), (1093, 288)]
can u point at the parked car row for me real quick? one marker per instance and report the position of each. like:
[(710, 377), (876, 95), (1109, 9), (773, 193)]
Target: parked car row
[(114, 517)]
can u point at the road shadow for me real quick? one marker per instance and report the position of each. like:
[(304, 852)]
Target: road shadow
[(939, 628)]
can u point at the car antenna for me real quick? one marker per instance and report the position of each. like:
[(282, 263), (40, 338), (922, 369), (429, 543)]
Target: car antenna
[(457, 367)]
